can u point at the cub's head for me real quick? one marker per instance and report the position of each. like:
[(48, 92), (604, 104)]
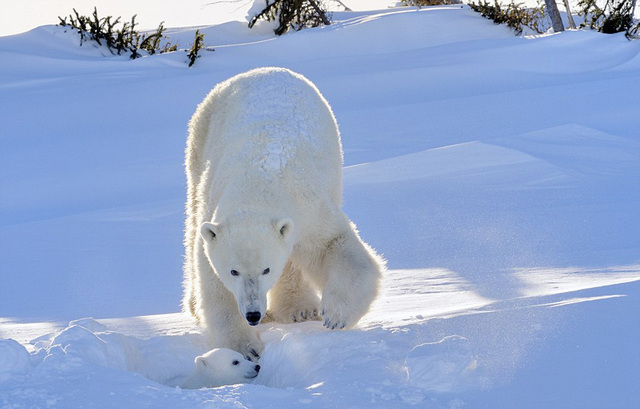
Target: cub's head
[(222, 366), (248, 255)]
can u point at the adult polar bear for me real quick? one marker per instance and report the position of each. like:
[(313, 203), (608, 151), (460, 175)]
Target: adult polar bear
[(264, 198)]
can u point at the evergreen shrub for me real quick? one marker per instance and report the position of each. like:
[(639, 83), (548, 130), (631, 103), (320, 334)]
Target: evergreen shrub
[(513, 15), (615, 16), (293, 14)]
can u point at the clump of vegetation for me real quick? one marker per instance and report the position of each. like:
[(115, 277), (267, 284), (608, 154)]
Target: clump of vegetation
[(198, 44), (424, 3), (513, 15), (292, 14), (105, 31), (615, 16), (126, 38)]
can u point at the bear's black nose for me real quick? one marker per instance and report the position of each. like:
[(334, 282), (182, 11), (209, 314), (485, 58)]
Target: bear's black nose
[(257, 368), (253, 318)]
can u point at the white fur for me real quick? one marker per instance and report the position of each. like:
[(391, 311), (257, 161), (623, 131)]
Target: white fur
[(219, 367), (264, 187)]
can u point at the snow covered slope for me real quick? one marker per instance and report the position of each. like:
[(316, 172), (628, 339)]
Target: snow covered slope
[(498, 175)]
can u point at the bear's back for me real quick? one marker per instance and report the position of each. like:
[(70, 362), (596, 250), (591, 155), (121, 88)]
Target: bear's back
[(271, 125)]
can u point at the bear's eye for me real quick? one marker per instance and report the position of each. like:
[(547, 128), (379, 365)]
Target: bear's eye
[(266, 271), (235, 362), (234, 273)]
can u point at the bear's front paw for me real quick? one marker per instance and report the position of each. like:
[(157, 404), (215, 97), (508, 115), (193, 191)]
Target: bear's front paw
[(297, 306), (311, 314), (293, 315), (334, 318)]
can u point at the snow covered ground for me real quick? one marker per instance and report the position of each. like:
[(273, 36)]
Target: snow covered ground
[(498, 175)]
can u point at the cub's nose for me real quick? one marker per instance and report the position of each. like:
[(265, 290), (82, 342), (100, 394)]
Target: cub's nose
[(257, 368), (253, 318)]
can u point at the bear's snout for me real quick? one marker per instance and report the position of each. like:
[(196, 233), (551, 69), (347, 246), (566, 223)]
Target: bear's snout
[(254, 374), (253, 318)]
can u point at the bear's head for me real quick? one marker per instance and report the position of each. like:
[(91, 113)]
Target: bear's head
[(222, 366), (249, 254)]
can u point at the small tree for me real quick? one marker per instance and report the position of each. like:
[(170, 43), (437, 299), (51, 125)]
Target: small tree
[(291, 14), (198, 44)]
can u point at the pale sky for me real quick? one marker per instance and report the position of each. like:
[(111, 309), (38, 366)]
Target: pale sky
[(17, 16)]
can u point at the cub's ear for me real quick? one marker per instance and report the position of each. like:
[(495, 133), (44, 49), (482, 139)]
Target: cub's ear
[(209, 231), (200, 361), (284, 227)]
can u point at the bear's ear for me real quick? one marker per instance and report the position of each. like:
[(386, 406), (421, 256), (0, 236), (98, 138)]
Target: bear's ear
[(209, 231), (284, 227), (200, 361)]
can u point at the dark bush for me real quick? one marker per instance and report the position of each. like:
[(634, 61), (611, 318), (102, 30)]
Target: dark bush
[(198, 44), (292, 14), (615, 16), (513, 15), (117, 40)]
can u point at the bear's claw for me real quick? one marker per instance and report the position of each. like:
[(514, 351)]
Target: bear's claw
[(305, 315), (333, 323), (298, 315), (251, 355)]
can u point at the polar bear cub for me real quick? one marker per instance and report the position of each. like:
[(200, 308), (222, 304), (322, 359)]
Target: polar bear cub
[(265, 233), (219, 367)]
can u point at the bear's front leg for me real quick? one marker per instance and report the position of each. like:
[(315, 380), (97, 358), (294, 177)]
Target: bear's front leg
[(353, 271), (226, 328)]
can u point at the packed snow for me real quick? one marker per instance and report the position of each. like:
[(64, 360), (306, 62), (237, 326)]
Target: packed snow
[(498, 175)]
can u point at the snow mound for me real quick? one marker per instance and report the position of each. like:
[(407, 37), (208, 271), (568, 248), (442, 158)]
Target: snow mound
[(302, 357), (14, 359), (88, 323), (442, 366), (86, 343)]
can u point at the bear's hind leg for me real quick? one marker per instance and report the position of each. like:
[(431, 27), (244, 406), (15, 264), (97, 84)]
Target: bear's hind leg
[(352, 270), (292, 299)]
